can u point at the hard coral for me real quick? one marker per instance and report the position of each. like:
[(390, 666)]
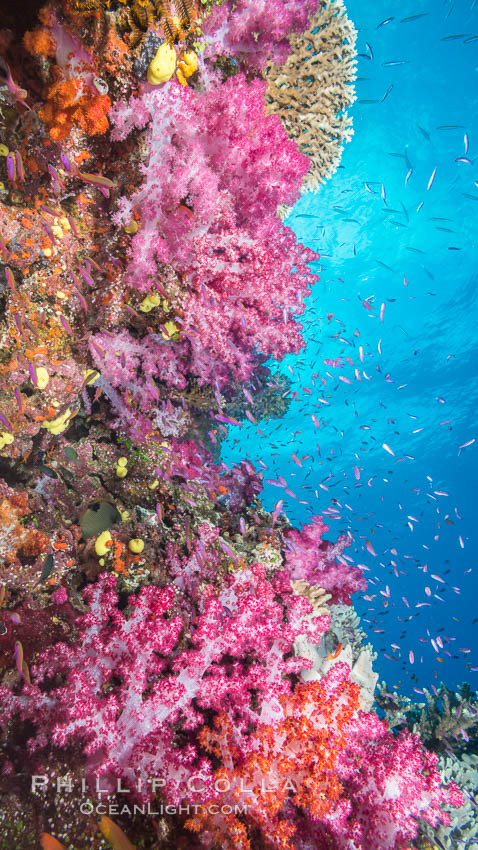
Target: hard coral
[(311, 90)]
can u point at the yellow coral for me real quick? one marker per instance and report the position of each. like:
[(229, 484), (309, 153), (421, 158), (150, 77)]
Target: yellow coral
[(150, 301), (5, 439), (103, 543), (43, 378), (132, 227), (187, 66), (136, 545), (163, 66), (58, 425), (169, 329), (122, 467)]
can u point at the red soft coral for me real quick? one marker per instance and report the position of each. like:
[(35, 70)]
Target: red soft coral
[(324, 776)]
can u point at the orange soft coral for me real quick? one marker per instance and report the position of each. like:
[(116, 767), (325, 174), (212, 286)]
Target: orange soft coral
[(116, 54), (57, 113), (15, 538), (91, 113), (293, 761), (40, 42), (66, 107)]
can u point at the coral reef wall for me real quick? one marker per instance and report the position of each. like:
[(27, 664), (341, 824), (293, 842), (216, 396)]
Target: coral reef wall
[(179, 667)]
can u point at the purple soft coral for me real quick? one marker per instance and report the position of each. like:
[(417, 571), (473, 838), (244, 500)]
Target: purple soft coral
[(317, 561)]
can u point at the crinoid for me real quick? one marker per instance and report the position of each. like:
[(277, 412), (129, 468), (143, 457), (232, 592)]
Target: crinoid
[(176, 17), (173, 17), (141, 16), (93, 5)]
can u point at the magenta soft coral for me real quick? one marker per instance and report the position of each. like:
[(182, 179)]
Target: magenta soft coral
[(129, 686), (314, 559), (209, 154), (129, 371), (390, 782), (217, 171), (202, 145), (335, 776), (244, 294)]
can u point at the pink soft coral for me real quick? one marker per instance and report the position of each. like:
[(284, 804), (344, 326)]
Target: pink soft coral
[(255, 30), (129, 685), (325, 775), (209, 153), (244, 294), (389, 782), (218, 169)]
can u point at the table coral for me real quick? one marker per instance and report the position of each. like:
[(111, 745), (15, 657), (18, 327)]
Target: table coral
[(312, 89)]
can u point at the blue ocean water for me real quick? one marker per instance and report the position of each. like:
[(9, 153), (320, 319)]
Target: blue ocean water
[(377, 231)]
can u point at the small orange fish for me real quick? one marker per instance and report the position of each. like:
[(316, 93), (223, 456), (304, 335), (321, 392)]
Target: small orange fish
[(49, 843), (19, 656), (335, 653), (114, 834), (26, 673), (96, 179)]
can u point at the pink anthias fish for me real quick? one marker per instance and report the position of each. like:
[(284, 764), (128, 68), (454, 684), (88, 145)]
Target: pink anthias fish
[(17, 93), (388, 449), (464, 445), (432, 178), (370, 548), (334, 363)]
